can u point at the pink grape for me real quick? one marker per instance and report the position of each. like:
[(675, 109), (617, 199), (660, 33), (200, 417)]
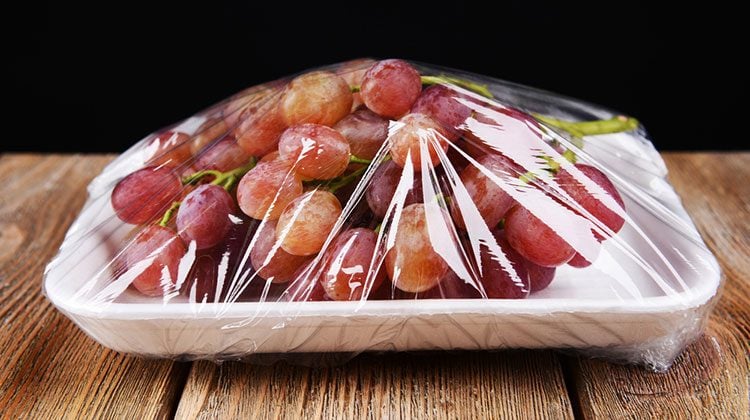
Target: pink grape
[(306, 222), (353, 72), (407, 140), (205, 216), (305, 287), (258, 130), (539, 277), (269, 260), (318, 152), (164, 249), (588, 201), (533, 239), (223, 156), (365, 131), (498, 281), (490, 199), (578, 261), (347, 266), (211, 130), (266, 189), (390, 88), (201, 282), (169, 148), (383, 185), (444, 105), (451, 287), (318, 97), (412, 263), (145, 194)]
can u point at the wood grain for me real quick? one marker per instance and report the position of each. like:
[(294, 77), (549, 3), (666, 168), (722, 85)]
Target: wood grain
[(711, 379), (451, 385), (49, 368)]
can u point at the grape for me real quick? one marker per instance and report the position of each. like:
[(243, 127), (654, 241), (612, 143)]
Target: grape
[(365, 131), (319, 152), (169, 148), (415, 130), (145, 194), (223, 156), (490, 199), (539, 277), (318, 97), (269, 260), (588, 201), (451, 287), (533, 239), (383, 185), (248, 102), (210, 130), (266, 189), (444, 105), (305, 287), (412, 263), (306, 222), (259, 130), (390, 88), (578, 261), (353, 72), (347, 265), (201, 283), (165, 250), (205, 216), (497, 280)]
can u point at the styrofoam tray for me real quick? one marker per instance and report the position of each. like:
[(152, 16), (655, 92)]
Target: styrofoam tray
[(581, 309)]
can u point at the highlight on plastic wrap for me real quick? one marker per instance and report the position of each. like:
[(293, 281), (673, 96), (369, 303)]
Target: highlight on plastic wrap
[(388, 205)]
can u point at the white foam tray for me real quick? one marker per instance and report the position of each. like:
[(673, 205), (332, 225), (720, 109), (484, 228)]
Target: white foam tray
[(581, 309)]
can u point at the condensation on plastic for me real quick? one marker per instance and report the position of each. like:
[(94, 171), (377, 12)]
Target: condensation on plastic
[(644, 298)]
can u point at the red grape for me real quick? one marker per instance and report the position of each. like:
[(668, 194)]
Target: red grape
[(212, 129), (269, 260), (578, 261), (491, 200), (204, 216), (451, 287), (365, 131), (145, 194), (318, 97), (305, 286), (201, 283), (162, 250), (499, 281), (590, 202), (259, 130), (306, 222), (223, 156), (265, 190), (169, 148), (318, 152), (383, 186), (413, 264), (407, 140), (390, 88), (533, 239), (347, 265), (444, 105), (539, 277)]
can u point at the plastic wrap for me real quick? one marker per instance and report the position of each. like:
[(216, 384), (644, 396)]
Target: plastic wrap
[(387, 205)]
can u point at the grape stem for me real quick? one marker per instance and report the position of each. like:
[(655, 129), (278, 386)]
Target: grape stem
[(345, 180), (355, 159), (467, 84), (354, 89), (616, 124), (168, 214)]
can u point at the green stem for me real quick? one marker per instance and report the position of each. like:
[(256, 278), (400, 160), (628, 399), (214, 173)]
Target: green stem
[(168, 214), (355, 159), (467, 84), (345, 180), (354, 89), (200, 174), (616, 124), (227, 179)]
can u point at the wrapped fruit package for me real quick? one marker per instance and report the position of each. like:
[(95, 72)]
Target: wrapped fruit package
[(388, 205)]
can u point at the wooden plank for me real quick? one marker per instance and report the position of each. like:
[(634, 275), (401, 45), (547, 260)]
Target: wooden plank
[(710, 380), (49, 368), (436, 385)]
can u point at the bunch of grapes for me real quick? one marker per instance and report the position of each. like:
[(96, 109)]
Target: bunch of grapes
[(449, 204)]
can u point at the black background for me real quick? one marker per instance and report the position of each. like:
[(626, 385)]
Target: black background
[(90, 79)]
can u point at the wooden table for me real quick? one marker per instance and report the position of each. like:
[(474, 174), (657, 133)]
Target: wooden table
[(49, 368)]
